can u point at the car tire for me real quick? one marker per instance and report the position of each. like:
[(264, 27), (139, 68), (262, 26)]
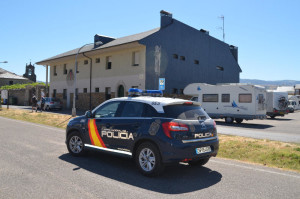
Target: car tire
[(272, 116), (200, 162), (229, 120), (238, 120), (47, 108), (75, 144), (147, 166)]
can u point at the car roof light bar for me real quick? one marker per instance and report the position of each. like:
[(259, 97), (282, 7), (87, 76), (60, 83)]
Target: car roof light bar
[(134, 92)]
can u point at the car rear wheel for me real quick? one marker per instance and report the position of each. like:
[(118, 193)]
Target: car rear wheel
[(75, 144), (229, 120), (148, 159), (200, 162), (238, 120), (47, 108)]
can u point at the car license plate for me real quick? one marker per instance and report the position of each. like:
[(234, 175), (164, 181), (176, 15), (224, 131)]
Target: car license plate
[(203, 150)]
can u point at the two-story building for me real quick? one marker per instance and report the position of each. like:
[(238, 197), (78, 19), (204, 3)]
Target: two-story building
[(110, 66)]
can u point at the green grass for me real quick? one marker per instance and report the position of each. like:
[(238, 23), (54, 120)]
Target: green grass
[(264, 152)]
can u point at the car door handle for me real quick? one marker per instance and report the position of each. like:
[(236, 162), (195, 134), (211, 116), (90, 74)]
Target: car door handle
[(107, 125), (136, 126)]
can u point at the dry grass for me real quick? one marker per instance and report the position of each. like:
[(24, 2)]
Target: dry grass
[(265, 152), (50, 119)]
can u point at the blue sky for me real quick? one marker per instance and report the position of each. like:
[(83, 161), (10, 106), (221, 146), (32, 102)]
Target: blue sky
[(266, 32)]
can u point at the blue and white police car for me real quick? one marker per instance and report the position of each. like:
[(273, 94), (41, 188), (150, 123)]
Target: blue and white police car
[(153, 130)]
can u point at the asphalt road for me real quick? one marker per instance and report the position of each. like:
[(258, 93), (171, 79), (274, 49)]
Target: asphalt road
[(34, 163), (285, 129)]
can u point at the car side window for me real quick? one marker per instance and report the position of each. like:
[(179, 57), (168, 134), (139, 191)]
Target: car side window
[(107, 110), (149, 111), (133, 109)]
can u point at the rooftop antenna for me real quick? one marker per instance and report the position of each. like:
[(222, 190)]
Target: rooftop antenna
[(222, 28)]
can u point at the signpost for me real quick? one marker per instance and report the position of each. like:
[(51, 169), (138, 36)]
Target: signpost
[(161, 84)]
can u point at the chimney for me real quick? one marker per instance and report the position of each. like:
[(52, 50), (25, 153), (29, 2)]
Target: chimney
[(100, 40), (165, 18), (204, 31), (234, 52)]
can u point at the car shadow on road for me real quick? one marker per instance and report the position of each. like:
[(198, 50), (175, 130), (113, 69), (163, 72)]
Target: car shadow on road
[(279, 119), (176, 179), (246, 125)]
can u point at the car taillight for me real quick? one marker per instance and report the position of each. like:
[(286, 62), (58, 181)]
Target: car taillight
[(188, 103), (173, 126), (214, 133), (275, 111), (51, 102)]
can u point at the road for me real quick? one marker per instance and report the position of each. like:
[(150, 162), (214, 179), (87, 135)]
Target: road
[(35, 164), (285, 129)]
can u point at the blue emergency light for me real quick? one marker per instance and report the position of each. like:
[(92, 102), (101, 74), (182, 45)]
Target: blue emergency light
[(134, 92)]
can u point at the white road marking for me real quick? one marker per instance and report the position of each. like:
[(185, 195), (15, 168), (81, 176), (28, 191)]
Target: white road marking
[(33, 124), (255, 169)]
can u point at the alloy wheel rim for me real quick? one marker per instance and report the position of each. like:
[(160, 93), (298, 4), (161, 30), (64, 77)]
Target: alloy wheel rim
[(147, 159), (76, 144)]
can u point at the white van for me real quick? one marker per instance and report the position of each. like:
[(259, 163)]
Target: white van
[(234, 101)]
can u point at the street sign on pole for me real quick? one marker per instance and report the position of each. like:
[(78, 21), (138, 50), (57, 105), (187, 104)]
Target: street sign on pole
[(161, 84)]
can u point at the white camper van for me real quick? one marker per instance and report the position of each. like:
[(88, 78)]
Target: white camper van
[(277, 103), (233, 101), (295, 98)]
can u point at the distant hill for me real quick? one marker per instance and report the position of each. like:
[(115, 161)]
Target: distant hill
[(273, 83)]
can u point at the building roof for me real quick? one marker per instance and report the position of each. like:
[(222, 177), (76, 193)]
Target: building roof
[(116, 42), (9, 75)]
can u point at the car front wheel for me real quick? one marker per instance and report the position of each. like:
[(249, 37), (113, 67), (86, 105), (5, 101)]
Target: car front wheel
[(75, 144), (148, 159)]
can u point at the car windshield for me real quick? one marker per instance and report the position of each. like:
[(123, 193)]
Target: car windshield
[(54, 100), (185, 112)]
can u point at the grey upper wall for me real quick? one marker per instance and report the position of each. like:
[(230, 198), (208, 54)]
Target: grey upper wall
[(183, 40)]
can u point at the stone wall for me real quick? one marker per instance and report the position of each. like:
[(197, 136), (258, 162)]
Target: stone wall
[(83, 101), (19, 94)]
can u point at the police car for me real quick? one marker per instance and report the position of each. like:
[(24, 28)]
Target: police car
[(153, 130)]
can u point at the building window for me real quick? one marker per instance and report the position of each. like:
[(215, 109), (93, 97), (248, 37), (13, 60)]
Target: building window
[(225, 97), (85, 62), (181, 91), (245, 98), (54, 93), (107, 93), (97, 90), (76, 93), (210, 98), (85, 90), (135, 58), (175, 56), (135, 87), (108, 63), (54, 71), (65, 94), (65, 69), (174, 91), (196, 61), (97, 60), (182, 58)]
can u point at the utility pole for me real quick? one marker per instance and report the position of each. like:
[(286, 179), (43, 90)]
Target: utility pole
[(223, 28)]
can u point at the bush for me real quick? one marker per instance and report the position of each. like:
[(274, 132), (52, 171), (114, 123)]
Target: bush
[(20, 86)]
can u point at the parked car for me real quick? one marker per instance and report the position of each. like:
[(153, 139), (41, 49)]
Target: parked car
[(154, 131), (51, 103)]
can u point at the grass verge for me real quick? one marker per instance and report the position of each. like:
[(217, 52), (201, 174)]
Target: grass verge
[(269, 153)]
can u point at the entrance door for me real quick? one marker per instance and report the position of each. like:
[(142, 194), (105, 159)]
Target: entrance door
[(121, 91)]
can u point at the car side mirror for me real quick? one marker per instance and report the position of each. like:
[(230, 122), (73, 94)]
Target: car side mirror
[(88, 114)]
